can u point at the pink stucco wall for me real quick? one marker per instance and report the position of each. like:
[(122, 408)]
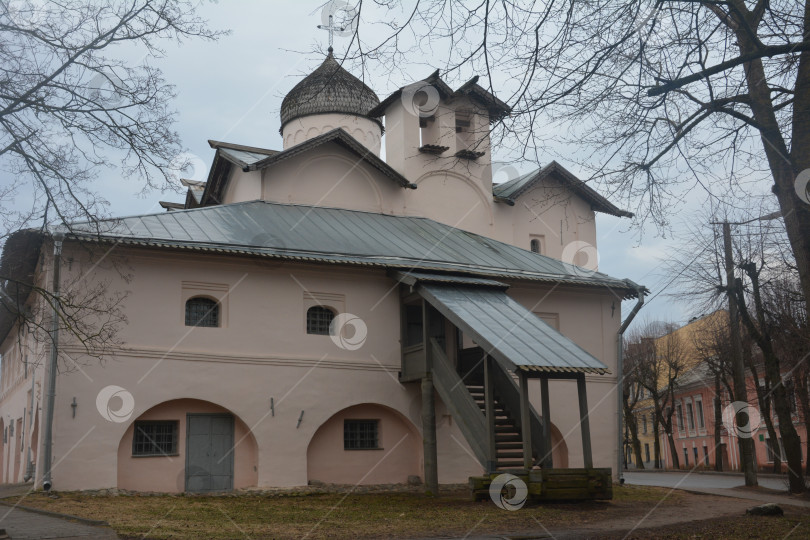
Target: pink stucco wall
[(167, 473), (399, 455)]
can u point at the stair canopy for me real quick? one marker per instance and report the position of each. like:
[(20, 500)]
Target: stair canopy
[(517, 338)]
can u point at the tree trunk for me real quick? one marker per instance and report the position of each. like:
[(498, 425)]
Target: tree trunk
[(657, 441), (790, 439), (763, 395), (804, 400), (636, 443), (676, 463), (718, 423), (785, 165)]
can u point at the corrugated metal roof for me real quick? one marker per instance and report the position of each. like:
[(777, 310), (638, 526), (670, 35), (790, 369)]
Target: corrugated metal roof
[(410, 277), (516, 187), (333, 235), (509, 332)]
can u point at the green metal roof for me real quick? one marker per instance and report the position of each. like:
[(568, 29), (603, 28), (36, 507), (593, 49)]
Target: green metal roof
[(332, 235), (510, 333), (513, 189)]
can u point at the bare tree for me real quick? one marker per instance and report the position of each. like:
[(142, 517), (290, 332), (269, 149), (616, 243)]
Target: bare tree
[(666, 96), (632, 393), (70, 109)]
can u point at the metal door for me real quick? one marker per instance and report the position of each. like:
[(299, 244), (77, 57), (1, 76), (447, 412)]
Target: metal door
[(209, 452)]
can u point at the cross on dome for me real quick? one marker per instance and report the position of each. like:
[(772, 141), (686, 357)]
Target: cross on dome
[(331, 28)]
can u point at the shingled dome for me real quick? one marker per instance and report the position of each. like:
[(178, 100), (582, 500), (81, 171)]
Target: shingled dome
[(329, 89)]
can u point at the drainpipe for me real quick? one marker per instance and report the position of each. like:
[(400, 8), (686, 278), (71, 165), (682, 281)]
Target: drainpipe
[(29, 469), (620, 375), (50, 394)]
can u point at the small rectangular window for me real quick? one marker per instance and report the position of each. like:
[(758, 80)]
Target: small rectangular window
[(413, 325), (686, 457), (690, 416), (706, 455), (361, 434), (155, 438), (700, 421), (646, 452)]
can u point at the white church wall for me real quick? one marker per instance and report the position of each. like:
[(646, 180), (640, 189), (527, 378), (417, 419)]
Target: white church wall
[(366, 132)]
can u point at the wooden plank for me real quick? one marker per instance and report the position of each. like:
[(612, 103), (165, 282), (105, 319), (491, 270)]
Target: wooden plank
[(584, 424), (547, 448), (429, 437), (489, 398), (525, 421)]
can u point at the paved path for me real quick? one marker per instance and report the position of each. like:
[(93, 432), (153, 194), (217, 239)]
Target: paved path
[(20, 524), (771, 489)]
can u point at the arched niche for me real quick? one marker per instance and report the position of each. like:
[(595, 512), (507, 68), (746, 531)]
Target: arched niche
[(167, 473), (399, 454)]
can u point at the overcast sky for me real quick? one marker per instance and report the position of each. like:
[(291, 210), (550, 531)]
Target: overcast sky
[(231, 90)]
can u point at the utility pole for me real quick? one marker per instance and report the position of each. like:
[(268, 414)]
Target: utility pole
[(737, 367)]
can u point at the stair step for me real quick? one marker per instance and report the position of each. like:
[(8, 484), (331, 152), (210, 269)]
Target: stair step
[(509, 464), (508, 438), (506, 429), (504, 422), (506, 455), (509, 445)]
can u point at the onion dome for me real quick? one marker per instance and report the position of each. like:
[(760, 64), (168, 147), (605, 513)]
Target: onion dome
[(329, 89)]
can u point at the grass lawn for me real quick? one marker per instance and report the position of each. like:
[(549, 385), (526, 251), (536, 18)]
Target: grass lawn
[(331, 515), (387, 515)]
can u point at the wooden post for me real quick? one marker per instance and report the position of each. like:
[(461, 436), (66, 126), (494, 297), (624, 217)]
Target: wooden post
[(584, 424), (547, 461), (525, 420), (489, 401), (429, 436)]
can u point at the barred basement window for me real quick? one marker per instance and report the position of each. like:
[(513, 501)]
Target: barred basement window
[(361, 434), (202, 312), (319, 319), (155, 438)]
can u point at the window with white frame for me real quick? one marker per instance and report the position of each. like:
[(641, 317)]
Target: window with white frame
[(701, 422), (690, 416), (644, 423), (679, 416)]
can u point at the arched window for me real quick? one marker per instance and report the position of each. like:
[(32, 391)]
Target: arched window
[(535, 245), (318, 320), (202, 312)]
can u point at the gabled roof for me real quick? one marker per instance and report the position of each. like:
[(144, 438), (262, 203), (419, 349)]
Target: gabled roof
[(339, 236), (497, 108), (340, 137), (239, 154), (510, 191)]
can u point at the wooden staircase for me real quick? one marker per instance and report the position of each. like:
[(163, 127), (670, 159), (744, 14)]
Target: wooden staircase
[(508, 440)]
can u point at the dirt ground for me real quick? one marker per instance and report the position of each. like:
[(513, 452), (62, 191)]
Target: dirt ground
[(636, 512)]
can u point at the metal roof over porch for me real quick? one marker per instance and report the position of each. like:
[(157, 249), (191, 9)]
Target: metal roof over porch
[(510, 333)]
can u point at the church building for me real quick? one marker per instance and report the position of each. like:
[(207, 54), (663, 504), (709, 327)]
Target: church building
[(360, 306)]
